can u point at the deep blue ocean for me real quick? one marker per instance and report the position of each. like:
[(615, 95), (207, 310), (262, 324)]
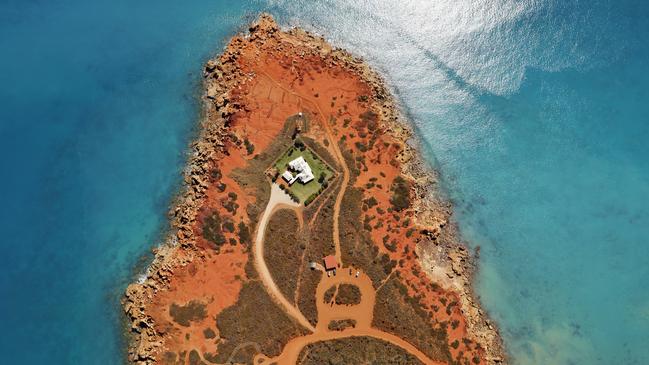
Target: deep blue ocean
[(536, 113)]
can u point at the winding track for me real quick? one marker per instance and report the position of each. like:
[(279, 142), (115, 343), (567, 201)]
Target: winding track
[(363, 313), (339, 157), (278, 199)]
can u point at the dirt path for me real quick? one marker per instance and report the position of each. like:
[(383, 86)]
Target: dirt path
[(362, 313), (278, 199), (292, 350), (339, 157)]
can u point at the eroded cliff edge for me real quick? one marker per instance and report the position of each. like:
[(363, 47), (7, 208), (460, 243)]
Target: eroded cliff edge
[(399, 231)]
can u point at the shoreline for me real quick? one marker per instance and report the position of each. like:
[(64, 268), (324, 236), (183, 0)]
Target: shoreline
[(445, 258), (430, 199)]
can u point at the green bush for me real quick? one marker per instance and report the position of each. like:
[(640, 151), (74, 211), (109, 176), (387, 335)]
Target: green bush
[(209, 333), (212, 230), (228, 225), (348, 295), (244, 234), (400, 199), (183, 314), (250, 148)]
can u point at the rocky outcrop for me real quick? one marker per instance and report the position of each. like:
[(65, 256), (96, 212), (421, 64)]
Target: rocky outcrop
[(221, 77)]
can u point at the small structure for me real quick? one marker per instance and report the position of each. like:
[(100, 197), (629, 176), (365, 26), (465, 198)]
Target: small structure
[(330, 263), (287, 176), (303, 169), (313, 265)]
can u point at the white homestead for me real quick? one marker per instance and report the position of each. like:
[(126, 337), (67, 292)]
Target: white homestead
[(303, 169)]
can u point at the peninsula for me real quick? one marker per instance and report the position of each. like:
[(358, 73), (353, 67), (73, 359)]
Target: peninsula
[(309, 230)]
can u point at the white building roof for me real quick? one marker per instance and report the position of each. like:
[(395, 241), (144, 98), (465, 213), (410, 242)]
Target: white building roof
[(304, 170), (304, 178), (299, 164), (287, 176)]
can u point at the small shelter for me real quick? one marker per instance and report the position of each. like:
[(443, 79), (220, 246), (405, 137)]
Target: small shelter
[(330, 262)]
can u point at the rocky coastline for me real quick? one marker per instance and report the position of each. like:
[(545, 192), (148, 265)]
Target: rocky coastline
[(444, 257)]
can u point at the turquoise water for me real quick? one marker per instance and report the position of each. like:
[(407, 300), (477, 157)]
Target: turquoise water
[(98, 104), (535, 112)]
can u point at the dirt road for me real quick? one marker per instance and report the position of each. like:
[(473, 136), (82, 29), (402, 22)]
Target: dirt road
[(362, 313), (278, 199), (339, 157)]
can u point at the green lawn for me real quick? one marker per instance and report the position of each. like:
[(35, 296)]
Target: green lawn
[(304, 191)]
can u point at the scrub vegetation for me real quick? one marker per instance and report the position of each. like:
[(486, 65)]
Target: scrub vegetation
[(348, 295), (283, 249), (254, 318), (183, 314), (355, 350), (341, 325), (398, 313)]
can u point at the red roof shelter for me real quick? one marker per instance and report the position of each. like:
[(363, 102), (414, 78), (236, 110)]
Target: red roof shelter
[(330, 262)]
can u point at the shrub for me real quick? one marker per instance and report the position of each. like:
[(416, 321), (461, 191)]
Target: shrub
[(329, 294), (230, 206), (455, 323), (183, 314), (244, 234), (455, 344), (250, 148), (212, 229), (449, 307), (221, 187), (209, 333), (348, 295), (400, 199), (391, 246), (215, 174), (299, 144), (228, 225), (195, 358), (371, 202), (340, 325), (311, 198)]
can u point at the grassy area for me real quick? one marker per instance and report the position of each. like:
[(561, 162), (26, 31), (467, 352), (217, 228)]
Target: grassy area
[(320, 170)]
